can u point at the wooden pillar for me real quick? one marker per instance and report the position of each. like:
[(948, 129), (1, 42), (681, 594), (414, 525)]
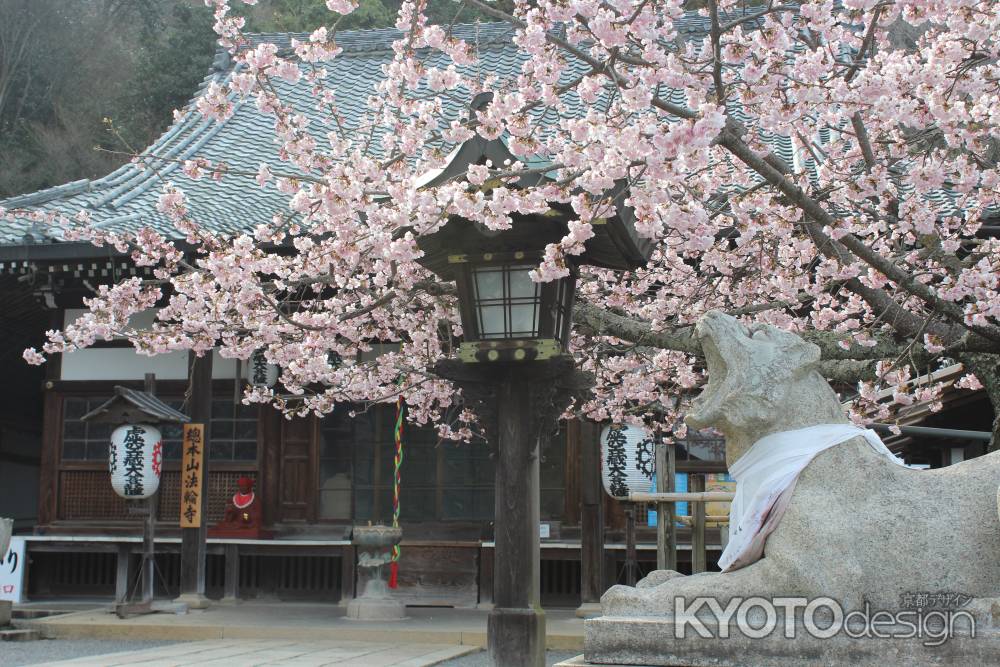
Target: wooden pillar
[(518, 404), (696, 484), (348, 574), (192, 575), (516, 625), (269, 444), (123, 573), (572, 471), (231, 587), (52, 429), (149, 522), (591, 521), (666, 525), (631, 561), (486, 578)]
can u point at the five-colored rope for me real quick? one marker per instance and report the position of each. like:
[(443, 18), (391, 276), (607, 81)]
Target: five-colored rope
[(397, 464)]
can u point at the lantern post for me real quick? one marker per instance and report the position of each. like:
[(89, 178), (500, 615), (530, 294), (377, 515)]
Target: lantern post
[(515, 369), (135, 463)]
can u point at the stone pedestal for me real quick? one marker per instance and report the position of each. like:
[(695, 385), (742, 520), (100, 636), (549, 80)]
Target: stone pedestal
[(375, 602), (6, 607), (649, 641), (375, 609)]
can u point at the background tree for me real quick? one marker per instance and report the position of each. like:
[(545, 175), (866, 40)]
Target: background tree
[(66, 67)]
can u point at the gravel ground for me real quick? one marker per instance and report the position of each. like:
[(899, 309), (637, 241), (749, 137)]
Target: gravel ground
[(480, 659), (14, 654)]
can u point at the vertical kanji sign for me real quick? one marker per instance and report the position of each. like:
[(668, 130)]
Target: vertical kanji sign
[(12, 571), (191, 475)]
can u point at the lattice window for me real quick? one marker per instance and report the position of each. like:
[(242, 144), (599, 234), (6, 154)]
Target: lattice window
[(441, 480), (88, 441), (234, 431), (221, 486), (87, 494), (83, 441)]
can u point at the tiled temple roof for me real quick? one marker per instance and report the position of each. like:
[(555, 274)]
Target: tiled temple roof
[(126, 198)]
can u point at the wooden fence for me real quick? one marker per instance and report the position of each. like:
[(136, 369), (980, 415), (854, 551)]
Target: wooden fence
[(666, 519)]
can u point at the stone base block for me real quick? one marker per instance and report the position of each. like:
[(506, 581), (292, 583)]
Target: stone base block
[(375, 609), (193, 601), (6, 607), (19, 635), (653, 641)]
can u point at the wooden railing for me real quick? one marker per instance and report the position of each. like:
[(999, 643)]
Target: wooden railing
[(665, 498)]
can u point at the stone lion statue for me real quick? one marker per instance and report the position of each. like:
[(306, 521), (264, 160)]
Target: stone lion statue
[(857, 527)]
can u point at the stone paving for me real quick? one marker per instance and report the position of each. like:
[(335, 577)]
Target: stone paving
[(303, 622), (286, 653)]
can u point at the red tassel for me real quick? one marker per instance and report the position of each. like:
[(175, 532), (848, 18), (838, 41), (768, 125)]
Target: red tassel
[(394, 574)]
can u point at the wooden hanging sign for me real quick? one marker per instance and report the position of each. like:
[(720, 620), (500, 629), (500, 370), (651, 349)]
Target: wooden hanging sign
[(192, 478)]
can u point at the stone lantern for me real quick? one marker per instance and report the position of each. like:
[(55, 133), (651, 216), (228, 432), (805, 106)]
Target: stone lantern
[(514, 370)]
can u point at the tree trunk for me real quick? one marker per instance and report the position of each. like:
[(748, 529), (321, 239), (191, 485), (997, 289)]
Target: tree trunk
[(986, 367)]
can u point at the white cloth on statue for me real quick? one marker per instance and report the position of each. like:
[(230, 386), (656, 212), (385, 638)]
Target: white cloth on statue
[(765, 479)]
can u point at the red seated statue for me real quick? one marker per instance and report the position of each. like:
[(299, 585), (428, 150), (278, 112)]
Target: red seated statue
[(243, 517)]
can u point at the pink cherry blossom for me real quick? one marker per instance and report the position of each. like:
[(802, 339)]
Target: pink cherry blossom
[(828, 168)]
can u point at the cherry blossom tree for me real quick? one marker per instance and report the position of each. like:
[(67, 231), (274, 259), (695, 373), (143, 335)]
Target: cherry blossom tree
[(873, 240)]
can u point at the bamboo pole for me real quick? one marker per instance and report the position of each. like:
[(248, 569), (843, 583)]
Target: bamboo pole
[(679, 497), (709, 519)]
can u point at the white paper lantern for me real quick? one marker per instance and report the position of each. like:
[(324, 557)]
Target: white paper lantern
[(258, 372), (627, 460), (136, 457)]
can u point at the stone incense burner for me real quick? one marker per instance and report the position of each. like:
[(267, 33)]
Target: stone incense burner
[(375, 603)]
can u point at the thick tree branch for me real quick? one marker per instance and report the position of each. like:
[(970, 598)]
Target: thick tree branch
[(603, 322), (812, 208)]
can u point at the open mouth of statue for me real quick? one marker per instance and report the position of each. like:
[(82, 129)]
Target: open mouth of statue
[(703, 407)]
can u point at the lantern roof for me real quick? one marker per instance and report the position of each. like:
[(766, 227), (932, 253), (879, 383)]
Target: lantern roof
[(130, 406), (615, 245)]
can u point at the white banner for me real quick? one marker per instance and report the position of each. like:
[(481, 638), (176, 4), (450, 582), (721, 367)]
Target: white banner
[(135, 460), (12, 571), (627, 460)]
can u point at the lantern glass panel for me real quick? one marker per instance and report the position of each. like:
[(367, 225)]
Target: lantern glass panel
[(507, 301)]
